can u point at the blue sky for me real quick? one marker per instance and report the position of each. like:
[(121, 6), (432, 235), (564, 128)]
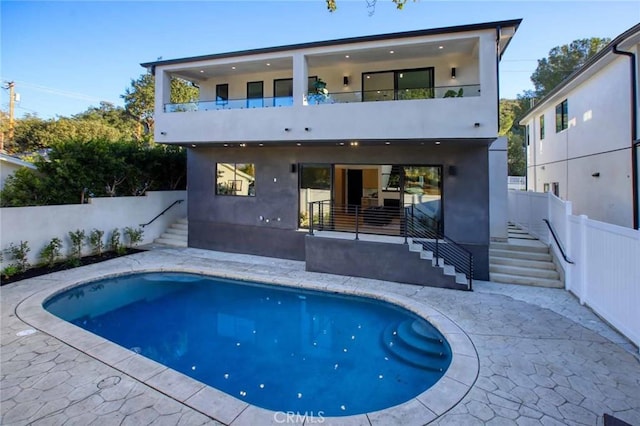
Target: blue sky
[(66, 56)]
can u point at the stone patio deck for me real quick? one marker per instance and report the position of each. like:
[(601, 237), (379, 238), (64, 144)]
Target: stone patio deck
[(543, 358)]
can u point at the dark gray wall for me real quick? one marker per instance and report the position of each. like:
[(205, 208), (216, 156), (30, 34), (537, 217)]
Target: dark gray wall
[(391, 262), (232, 224)]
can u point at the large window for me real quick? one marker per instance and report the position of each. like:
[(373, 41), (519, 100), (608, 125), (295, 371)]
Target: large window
[(541, 127), (562, 116), (398, 84), (222, 94), (255, 94), (236, 179), (283, 92), (423, 192), (315, 185)]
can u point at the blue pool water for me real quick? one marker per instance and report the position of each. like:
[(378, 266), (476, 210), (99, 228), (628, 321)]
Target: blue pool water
[(278, 348)]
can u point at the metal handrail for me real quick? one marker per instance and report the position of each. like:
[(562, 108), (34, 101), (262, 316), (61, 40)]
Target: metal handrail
[(161, 213), (555, 238), (324, 215)]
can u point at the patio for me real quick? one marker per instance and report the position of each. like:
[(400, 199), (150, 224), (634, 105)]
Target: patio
[(544, 359)]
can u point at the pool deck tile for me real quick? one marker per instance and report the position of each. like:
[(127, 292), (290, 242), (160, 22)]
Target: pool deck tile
[(522, 355), (411, 413)]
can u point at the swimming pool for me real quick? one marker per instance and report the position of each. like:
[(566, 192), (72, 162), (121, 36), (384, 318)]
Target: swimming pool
[(278, 348)]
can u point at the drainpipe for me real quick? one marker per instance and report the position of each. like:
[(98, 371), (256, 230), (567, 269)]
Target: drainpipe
[(635, 143)]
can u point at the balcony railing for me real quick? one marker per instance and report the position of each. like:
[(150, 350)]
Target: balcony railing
[(330, 98)]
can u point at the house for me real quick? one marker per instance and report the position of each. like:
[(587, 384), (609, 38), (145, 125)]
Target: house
[(9, 165), (374, 136), (582, 137)]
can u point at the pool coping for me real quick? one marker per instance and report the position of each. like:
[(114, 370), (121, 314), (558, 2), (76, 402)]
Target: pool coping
[(424, 408)]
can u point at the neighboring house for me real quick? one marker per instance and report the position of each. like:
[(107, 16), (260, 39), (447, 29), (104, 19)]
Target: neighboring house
[(9, 165), (582, 138), (404, 127)]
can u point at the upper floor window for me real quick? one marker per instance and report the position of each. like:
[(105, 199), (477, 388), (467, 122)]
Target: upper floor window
[(562, 116), (236, 179), (222, 94), (541, 127), (255, 94), (400, 84)]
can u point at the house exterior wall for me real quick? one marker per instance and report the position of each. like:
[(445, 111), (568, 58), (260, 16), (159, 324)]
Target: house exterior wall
[(597, 140), (439, 117), (234, 224)]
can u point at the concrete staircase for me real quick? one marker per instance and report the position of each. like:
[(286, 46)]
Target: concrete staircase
[(418, 246), (522, 260), (176, 235)]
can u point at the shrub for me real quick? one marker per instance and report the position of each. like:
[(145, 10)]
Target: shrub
[(19, 254), (134, 235), (51, 252), (95, 240), (77, 241), (114, 242)]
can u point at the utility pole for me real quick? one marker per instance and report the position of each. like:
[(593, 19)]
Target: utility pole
[(12, 104)]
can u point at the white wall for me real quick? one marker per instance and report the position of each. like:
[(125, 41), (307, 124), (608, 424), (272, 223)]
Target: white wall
[(498, 230), (6, 169), (38, 225), (599, 123)]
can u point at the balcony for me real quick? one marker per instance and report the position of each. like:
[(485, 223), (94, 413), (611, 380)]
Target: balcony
[(439, 86), (458, 91)]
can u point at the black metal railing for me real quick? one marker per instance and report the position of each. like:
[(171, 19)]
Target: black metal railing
[(409, 222), (555, 238), (161, 213)]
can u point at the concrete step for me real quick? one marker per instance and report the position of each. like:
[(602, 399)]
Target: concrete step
[(461, 278), (525, 272), (517, 279), (183, 221), (494, 260), (521, 236), (513, 254), (176, 231), (178, 237), (171, 242), (534, 248), (180, 226)]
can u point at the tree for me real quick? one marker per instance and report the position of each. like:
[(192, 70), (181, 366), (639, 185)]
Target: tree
[(371, 4), (563, 61), (139, 99)]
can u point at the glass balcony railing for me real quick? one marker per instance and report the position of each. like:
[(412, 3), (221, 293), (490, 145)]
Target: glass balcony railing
[(282, 101), (330, 98)]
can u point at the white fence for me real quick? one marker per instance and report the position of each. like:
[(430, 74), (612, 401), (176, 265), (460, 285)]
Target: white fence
[(38, 225), (605, 273), (517, 183)]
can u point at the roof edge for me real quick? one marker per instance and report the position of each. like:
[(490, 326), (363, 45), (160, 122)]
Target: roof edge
[(377, 37)]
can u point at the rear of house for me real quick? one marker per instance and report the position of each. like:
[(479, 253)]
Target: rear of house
[(364, 136)]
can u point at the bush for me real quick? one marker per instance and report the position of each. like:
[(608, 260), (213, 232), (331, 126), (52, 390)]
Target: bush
[(114, 242), (77, 242), (95, 240), (19, 254), (134, 235), (51, 252)]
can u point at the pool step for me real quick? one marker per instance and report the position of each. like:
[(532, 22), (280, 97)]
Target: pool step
[(422, 348)]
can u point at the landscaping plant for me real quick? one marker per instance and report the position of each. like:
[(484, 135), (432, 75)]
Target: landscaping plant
[(114, 242), (51, 252), (134, 235), (19, 254), (77, 241), (95, 240)]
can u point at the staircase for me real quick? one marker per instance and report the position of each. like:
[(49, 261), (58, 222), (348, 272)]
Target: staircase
[(522, 260), (423, 248), (176, 235), (418, 343)]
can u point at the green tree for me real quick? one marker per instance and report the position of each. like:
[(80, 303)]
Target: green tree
[(332, 5), (139, 99), (562, 61)]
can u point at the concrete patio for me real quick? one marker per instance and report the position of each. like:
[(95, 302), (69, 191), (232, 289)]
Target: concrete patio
[(543, 358)]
